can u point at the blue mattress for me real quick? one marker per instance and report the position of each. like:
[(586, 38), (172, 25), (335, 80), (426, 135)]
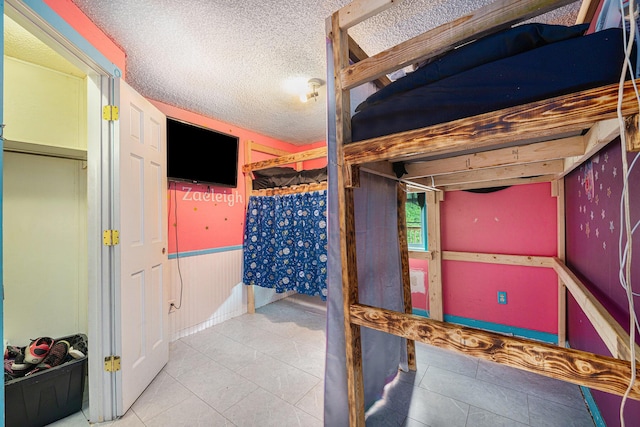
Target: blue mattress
[(554, 69)]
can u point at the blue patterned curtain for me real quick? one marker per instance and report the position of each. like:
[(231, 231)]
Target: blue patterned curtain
[(285, 243)]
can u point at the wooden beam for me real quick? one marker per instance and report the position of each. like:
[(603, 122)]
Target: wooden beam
[(541, 151), (403, 244), (294, 189), (597, 138), (360, 10), (612, 334), (578, 367), (434, 272), (357, 54), (522, 260), (248, 188), (632, 133), (424, 255), (486, 20), (314, 153), (500, 183), (380, 168), (346, 221), (266, 150), (587, 11), (491, 174), (536, 120), (558, 193)]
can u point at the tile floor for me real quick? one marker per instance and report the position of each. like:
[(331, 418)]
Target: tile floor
[(267, 370)]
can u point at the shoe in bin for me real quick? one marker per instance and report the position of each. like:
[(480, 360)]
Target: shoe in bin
[(35, 352), (56, 356), (19, 367)]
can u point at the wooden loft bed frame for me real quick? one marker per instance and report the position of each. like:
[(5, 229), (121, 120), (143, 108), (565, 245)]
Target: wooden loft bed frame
[(282, 158), (536, 142)]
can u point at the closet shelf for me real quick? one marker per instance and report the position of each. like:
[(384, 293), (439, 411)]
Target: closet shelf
[(45, 150)]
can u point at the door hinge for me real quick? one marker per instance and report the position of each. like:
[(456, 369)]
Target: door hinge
[(110, 112), (111, 237), (112, 363)]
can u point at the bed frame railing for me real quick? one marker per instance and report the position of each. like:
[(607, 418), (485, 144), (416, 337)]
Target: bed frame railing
[(534, 130)]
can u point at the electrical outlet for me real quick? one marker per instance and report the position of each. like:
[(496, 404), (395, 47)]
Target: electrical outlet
[(502, 297)]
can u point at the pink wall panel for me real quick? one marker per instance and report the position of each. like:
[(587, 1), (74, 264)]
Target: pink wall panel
[(470, 290), (420, 300), (519, 220)]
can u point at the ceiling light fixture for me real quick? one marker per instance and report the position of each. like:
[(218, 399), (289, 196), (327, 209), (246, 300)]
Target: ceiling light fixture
[(314, 84)]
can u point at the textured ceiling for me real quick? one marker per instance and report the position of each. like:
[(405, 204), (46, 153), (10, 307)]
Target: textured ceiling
[(240, 61), (21, 44)]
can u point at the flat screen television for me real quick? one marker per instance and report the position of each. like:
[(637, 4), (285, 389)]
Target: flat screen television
[(199, 155)]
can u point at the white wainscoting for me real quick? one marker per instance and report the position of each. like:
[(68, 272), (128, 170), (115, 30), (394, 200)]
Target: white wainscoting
[(212, 291)]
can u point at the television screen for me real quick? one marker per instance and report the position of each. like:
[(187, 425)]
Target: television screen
[(199, 155)]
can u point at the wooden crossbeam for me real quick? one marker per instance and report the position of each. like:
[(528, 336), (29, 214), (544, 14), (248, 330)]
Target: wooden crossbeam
[(315, 153), (501, 183), (538, 152), (612, 334), (595, 139), (357, 54), (488, 19), (578, 367), (587, 11), (294, 189), (536, 120), (522, 260), (360, 10), (491, 174), (632, 133)]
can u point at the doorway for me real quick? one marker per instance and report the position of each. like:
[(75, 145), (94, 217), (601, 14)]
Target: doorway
[(53, 193)]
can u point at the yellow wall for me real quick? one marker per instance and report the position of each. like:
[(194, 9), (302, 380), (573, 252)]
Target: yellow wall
[(45, 247), (44, 106), (45, 204)]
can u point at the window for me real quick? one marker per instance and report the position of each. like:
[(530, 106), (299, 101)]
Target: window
[(416, 211)]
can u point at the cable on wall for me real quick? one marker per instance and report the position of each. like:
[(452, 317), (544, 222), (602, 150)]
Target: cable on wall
[(625, 277), (175, 217)]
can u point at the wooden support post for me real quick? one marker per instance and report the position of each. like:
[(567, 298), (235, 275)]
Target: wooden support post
[(632, 133), (436, 311), (353, 347), (248, 185), (404, 261), (558, 193)]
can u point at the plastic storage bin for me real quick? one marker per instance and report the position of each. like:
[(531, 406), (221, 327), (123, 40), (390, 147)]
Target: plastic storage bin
[(44, 397)]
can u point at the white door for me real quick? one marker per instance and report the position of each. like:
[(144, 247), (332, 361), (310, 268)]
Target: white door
[(142, 299)]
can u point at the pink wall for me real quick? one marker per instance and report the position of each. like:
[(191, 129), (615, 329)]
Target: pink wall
[(87, 29), (213, 217), (593, 193), (420, 300), (519, 220)]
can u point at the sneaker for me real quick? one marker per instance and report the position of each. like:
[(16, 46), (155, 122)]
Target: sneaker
[(75, 353), (37, 350), (19, 367), (56, 356)]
